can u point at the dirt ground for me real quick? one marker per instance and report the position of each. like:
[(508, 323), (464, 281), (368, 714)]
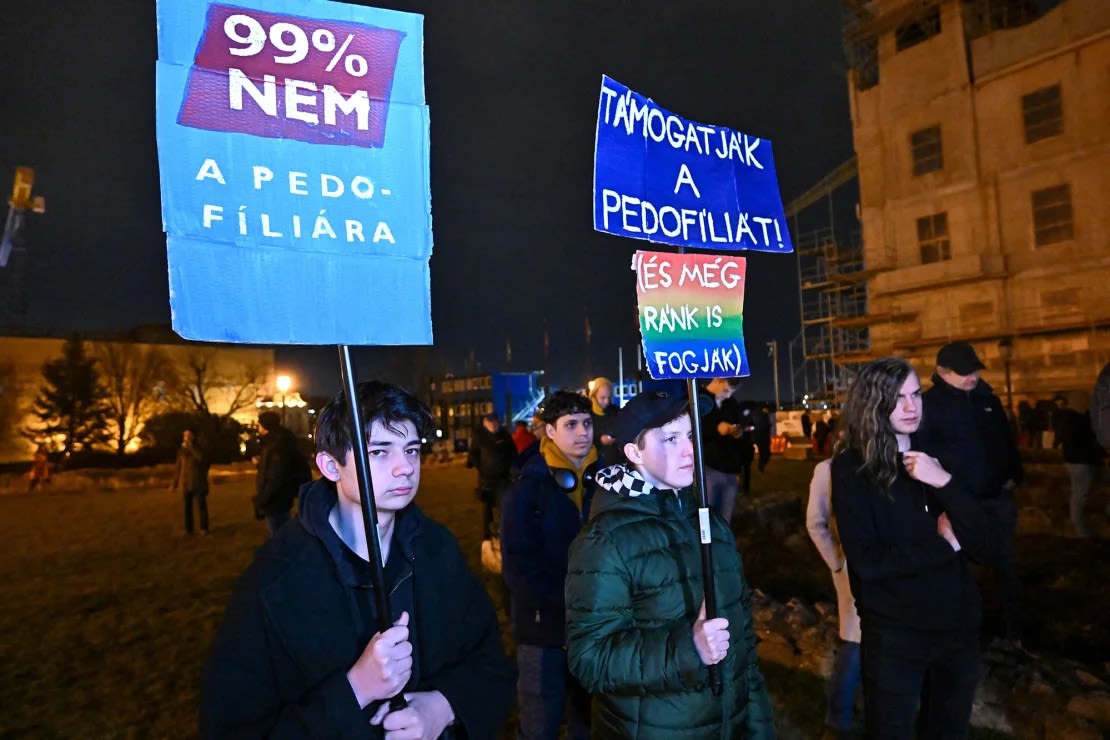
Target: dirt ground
[(109, 609), (1065, 578)]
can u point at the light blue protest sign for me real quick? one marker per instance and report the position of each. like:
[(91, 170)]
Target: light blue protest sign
[(662, 178), (293, 149)]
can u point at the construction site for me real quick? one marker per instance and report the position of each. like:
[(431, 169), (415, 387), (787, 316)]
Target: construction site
[(975, 206)]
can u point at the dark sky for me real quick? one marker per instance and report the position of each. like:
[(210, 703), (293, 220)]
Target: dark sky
[(513, 90)]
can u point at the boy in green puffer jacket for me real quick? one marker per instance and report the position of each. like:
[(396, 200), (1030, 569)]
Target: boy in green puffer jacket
[(637, 635)]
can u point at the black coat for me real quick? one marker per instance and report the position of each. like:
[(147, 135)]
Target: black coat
[(279, 473), (608, 454), (1075, 436), (970, 435), (492, 454), (723, 452), (302, 614), (903, 573)]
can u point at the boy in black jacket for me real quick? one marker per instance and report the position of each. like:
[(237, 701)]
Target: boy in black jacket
[(299, 653)]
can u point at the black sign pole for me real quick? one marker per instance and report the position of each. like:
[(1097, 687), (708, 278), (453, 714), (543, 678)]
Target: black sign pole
[(366, 496), (705, 537)]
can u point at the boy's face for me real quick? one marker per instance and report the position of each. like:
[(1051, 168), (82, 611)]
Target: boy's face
[(572, 434), (667, 459), (394, 468)]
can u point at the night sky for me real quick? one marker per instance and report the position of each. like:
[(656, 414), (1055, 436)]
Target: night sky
[(513, 91)]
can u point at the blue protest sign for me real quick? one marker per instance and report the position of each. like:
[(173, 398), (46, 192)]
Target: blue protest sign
[(293, 149), (665, 179)]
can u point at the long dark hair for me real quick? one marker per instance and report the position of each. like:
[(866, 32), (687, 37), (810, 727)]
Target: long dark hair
[(866, 417)]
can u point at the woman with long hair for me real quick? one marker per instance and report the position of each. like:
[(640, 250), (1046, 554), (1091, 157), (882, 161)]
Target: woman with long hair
[(907, 528)]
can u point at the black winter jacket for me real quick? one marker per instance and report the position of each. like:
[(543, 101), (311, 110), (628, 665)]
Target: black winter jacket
[(279, 474), (538, 523), (302, 613), (903, 574), (1075, 436), (970, 435), (492, 454), (722, 452)]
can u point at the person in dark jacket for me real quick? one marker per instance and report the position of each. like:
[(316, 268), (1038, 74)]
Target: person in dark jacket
[(280, 472), (965, 426), (762, 435), (492, 454), (543, 511), (604, 416), (742, 448), (637, 633), (1082, 458), (907, 526), (720, 429), (300, 654), (191, 478)]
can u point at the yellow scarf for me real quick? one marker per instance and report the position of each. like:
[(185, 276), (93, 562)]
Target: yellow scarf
[(555, 458)]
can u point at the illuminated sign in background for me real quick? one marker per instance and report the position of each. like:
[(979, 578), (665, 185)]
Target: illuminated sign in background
[(660, 177), (293, 148), (691, 314)]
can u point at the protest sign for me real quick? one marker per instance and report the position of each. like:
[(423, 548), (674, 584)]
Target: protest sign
[(665, 179), (293, 149), (691, 314)]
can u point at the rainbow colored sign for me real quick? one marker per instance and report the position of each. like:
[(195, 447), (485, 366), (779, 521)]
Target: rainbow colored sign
[(691, 314)]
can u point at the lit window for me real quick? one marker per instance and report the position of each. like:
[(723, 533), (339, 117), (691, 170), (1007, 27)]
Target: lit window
[(1043, 114), (932, 238), (928, 154), (1052, 217)]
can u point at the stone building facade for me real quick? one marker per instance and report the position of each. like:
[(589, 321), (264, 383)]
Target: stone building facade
[(982, 134)]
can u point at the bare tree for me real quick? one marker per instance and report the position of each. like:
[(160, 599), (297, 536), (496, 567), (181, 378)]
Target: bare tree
[(135, 377), (204, 385)]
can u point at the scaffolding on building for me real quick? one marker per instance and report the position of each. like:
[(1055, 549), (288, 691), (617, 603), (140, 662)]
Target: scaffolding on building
[(833, 294)]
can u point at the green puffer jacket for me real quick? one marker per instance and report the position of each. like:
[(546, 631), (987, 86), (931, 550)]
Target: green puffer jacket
[(633, 591)]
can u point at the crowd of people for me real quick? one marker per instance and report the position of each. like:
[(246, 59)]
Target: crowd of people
[(626, 595)]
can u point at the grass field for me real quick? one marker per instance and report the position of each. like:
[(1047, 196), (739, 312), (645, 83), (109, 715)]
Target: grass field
[(109, 609)]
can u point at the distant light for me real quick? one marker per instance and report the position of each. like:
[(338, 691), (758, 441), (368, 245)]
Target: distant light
[(284, 383), (439, 433)]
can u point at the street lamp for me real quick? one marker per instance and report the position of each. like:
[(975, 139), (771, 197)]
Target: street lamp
[(284, 383), (1006, 352)]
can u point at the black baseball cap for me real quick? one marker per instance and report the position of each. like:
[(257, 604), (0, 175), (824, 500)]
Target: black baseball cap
[(959, 357), (649, 410)]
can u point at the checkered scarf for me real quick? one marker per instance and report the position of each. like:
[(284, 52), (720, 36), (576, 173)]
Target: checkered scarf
[(623, 480)]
